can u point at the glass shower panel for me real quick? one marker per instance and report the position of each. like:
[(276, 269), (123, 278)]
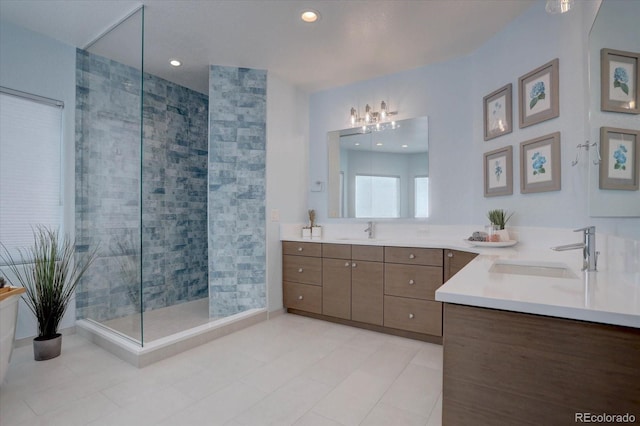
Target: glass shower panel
[(109, 90), (174, 190)]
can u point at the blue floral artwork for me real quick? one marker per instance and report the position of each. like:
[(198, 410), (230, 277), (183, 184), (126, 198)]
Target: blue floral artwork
[(539, 161), (621, 158), (497, 115), (537, 93), (497, 170), (621, 79)]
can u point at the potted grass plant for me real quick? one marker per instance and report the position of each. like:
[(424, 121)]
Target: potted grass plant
[(499, 219), (49, 271)]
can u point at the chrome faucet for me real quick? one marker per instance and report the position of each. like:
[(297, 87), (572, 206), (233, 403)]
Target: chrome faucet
[(369, 229), (588, 246)]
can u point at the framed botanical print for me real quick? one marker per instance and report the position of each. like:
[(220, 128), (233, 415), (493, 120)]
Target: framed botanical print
[(620, 166), (538, 93), (540, 164), (619, 81), (498, 119), (498, 172)]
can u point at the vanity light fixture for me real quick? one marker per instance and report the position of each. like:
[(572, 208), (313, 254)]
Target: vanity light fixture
[(373, 118), (554, 7), (175, 62), (310, 16)]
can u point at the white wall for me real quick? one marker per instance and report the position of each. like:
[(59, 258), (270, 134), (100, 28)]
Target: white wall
[(451, 93), (33, 63), (287, 160)]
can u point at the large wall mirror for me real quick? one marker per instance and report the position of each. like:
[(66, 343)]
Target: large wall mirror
[(380, 173), (615, 27)]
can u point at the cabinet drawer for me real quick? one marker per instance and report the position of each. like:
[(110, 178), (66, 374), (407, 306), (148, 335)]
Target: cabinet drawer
[(413, 256), (370, 253), (415, 281), (302, 249), (303, 297), (301, 269), (420, 316), (336, 251)]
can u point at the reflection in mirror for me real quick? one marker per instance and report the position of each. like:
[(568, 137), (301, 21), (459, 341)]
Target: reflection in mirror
[(379, 174), (616, 27)]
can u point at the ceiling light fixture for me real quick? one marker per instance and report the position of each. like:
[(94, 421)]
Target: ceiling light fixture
[(373, 120), (554, 7), (310, 16), (175, 62)]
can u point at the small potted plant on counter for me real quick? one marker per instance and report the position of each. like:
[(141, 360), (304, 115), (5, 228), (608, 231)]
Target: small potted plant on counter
[(49, 271), (499, 219)]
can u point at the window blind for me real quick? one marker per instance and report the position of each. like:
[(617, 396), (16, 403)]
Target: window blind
[(30, 168)]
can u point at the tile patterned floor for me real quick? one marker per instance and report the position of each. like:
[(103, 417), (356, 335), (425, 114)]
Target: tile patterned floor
[(290, 370)]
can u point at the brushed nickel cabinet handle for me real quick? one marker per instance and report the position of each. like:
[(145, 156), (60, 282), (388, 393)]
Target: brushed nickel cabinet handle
[(346, 264), (412, 256), (410, 316), (411, 282), (300, 270), (300, 297), (450, 254), (353, 265), (299, 248)]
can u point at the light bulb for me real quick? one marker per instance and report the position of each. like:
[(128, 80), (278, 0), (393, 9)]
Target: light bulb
[(558, 6), (383, 110)]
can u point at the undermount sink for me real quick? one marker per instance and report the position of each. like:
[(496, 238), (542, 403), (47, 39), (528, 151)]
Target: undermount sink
[(538, 269)]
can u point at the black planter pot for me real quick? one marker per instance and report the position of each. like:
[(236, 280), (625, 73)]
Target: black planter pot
[(47, 347)]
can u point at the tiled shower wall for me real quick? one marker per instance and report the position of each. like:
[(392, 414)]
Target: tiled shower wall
[(237, 157), (174, 188)]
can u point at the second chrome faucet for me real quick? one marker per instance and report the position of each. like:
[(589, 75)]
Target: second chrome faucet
[(588, 246)]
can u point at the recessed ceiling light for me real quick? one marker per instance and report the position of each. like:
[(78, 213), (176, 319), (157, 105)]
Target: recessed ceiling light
[(379, 144), (405, 146), (175, 62), (310, 16)]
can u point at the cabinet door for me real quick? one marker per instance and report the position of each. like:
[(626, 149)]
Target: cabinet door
[(455, 260), (336, 288), (367, 292)]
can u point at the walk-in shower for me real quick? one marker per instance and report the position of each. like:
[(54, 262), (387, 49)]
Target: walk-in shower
[(171, 193)]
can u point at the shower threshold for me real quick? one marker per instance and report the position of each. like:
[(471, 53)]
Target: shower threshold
[(132, 352)]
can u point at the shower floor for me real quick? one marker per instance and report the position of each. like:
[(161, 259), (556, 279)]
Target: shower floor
[(163, 322)]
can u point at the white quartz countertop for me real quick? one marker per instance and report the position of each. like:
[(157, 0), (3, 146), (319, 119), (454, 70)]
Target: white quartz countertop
[(605, 296)]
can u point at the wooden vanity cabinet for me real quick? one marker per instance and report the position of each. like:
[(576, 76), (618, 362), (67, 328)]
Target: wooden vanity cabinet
[(387, 289), (302, 276)]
